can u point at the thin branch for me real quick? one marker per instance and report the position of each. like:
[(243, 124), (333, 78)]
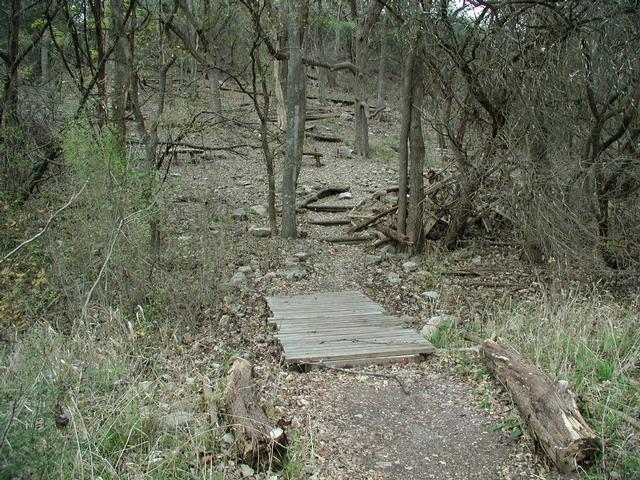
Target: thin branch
[(369, 374), (44, 229)]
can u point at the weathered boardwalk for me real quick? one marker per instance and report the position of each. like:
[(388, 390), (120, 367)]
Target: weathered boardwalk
[(342, 329)]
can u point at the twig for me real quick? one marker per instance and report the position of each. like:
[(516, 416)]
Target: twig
[(102, 269), (14, 408), (358, 373), (44, 229)]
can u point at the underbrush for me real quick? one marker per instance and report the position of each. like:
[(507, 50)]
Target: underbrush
[(91, 405), (102, 357), (593, 342)]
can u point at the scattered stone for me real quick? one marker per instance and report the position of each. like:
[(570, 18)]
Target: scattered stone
[(259, 210), (260, 232), (432, 325), (240, 214), (184, 238), (410, 266), (302, 256), (176, 420), (345, 195), (431, 295), (238, 279), (393, 278), (389, 249), (228, 438), (245, 269), (477, 260), (224, 321), (372, 259), (344, 151), (246, 471), (306, 189), (295, 274)]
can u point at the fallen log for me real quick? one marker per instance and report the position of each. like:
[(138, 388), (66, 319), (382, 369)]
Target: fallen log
[(259, 440), (395, 234), (365, 223), (325, 192), (325, 138), (550, 412), (329, 208), (326, 222), (349, 239)]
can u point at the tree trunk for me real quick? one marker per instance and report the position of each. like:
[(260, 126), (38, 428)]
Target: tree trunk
[(296, 98), (10, 108), (416, 161), (214, 77), (120, 83), (550, 412), (97, 8), (258, 439), (361, 40), (403, 150), (44, 57), (384, 34)]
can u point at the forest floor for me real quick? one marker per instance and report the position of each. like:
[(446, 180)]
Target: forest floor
[(456, 423)]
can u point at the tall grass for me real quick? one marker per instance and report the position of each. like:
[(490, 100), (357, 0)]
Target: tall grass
[(592, 341)]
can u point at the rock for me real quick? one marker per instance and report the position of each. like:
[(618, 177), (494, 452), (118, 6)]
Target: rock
[(393, 278), (238, 279), (259, 210), (389, 249), (240, 214), (302, 256), (184, 238), (345, 195), (246, 471), (245, 269), (306, 189), (344, 151), (410, 266), (432, 325), (431, 295), (295, 274), (372, 259), (228, 438), (477, 260), (224, 321), (176, 420), (261, 232)]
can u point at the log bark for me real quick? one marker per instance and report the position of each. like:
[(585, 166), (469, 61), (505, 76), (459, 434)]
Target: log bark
[(325, 192), (259, 440), (368, 221), (550, 412), (395, 234)]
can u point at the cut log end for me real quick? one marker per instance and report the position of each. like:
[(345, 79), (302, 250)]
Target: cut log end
[(551, 413), (259, 441)]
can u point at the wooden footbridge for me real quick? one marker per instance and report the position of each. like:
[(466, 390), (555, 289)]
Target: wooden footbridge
[(342, 329)]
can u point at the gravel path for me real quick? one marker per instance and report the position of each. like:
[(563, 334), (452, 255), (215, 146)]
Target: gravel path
[(349, 426)]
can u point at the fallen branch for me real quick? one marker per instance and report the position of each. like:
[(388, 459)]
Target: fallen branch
[(329, 221), (364, 224), (550, 412), (347, 239), (325, 138), (46, 226), (395, 234), (325, 192)]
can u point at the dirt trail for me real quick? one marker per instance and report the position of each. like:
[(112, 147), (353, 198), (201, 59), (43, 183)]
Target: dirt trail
[(348, 426)]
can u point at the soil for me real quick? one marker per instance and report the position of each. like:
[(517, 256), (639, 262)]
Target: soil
[(455, 423)]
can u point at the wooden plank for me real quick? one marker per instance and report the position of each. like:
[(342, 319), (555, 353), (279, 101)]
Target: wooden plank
[(337, 355), (342, 328), (358, 362)]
